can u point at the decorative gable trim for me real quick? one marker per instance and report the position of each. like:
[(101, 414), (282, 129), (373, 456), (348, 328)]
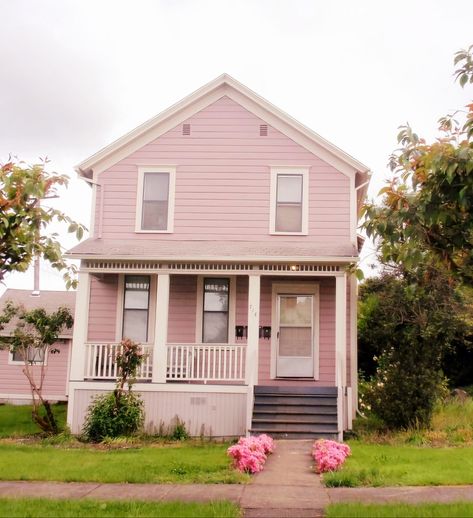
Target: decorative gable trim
[(223, 85)]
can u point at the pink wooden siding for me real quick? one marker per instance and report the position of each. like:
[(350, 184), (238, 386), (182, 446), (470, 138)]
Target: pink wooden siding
[(182, 309), (13, 382), (223, 182), (103, 308)]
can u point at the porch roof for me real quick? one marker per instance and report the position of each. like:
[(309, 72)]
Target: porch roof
[(200, 250)]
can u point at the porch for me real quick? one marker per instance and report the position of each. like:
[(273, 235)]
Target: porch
[(179, 361)]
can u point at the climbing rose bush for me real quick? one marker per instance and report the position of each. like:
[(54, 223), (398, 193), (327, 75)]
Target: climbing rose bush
[(250, 453), (329, 455)]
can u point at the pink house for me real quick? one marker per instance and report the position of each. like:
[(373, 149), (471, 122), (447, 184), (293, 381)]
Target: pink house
[(221, 234), (14, 387)]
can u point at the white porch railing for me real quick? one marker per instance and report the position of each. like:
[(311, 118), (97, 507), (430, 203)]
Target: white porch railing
[(206, 362), (100, 361), (186, 362)]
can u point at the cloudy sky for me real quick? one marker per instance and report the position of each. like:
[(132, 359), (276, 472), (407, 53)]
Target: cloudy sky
[(75, 75)]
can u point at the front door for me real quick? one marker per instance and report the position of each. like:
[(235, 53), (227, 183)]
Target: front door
[(295, 337)]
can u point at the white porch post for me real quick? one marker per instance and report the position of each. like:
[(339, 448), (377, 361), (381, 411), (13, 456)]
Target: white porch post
[(251, 365), (81, 323), (340, 346), (79, 338), (161, 329), (354, 344)]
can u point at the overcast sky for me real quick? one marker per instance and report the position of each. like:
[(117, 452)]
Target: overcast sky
[(76, 75)]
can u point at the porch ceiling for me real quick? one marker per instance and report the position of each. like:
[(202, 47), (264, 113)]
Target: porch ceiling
[(225, 251)]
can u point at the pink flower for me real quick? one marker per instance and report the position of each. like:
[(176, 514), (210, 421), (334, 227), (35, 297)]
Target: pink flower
[(249, 454), (329, 455)]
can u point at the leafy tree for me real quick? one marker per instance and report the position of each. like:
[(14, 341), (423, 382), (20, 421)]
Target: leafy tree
[(378, 323), (426, 214), (33, 337), (23, 219), (408, 322)]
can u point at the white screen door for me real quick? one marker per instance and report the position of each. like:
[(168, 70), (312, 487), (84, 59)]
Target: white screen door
[(295, 350)]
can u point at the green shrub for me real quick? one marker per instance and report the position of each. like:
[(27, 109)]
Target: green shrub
[(178, 430), (109, 416)]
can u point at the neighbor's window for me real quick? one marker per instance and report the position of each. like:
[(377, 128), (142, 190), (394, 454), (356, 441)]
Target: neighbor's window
[(136, 308), (155, 199), (34, 354), (289, 203), (215, 317)]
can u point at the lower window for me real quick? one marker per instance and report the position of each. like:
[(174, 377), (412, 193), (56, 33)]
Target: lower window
[(215, 315), (136, 308)]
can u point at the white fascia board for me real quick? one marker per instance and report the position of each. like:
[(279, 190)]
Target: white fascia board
[(201, 98), (217, 259)]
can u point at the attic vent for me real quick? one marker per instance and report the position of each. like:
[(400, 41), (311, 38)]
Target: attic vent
[(186, 129), (263, 130)]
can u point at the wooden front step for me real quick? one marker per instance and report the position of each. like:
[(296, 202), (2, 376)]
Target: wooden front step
[(295, 412)]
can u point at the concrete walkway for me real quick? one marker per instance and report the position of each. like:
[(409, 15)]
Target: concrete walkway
[(287, 487)]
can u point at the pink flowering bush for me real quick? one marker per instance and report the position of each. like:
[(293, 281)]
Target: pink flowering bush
[(250, 453), (329, 455)]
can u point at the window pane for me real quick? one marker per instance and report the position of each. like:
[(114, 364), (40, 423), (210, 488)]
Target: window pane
[(155, 215), (216, 285), (295, 341), (215, 328), (290, 189), (136, 299), (135, 325), (136, 304), (137, 282), (17, 356), (295, 310), (216, 302), (34, 355), (289, 218), (155, 201), (156, 187)]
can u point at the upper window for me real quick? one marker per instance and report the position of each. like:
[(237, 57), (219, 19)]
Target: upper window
[(136, 308), (155, 203), (289, 201), (215, 317)]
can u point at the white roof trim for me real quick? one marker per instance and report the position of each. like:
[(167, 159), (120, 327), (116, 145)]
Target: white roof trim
[(217, 259), (201, 98)]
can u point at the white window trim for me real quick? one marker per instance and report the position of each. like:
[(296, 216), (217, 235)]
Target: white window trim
[(171, 197), (199, 314), (151, 307), (287, 171), (11, 361), (296, 288)]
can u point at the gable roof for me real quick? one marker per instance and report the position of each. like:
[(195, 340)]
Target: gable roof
[(223, 85), (49, 300)]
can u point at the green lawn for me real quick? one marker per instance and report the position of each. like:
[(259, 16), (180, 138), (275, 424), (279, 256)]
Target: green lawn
[(459, 510), (39, 508), (15, 420), (185, 462), (386, 465)]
